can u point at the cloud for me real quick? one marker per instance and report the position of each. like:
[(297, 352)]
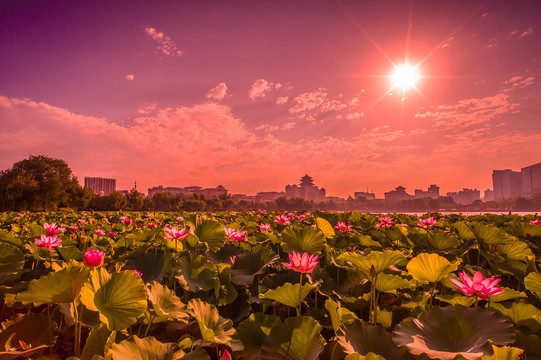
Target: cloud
[(447, 42), (310, 104), (518, 82), (260, 87), (166, 46), (147, 108), (281, 100), (354, 116), (217, 93), (527, 32), (269, 128), (130, 77)]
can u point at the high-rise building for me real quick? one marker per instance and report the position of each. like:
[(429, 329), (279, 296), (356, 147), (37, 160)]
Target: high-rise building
[(531, 179), (507, 184), (433, 192), (465, 196), (100, 186), (489, 195)]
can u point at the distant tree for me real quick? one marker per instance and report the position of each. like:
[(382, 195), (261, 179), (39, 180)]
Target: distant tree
[(134, 200), (37, 183), (114, 201)]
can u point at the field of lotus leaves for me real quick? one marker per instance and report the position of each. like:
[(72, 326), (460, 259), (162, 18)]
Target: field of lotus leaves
[(266, 285)]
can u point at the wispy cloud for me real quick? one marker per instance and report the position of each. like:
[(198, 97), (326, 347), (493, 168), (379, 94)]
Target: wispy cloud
[(260, 87), (218, 92), (527, 32), (281, 100), (518, 82), (310, 104), (166, 46), (130, 77)]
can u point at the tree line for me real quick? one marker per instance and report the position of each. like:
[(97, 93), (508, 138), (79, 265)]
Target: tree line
[(42, 183)]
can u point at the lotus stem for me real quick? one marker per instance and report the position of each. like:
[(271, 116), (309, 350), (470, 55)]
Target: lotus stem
[(334, 348), (476, 300), (152, 316), (300, 296), (50, 329), (77, 347)]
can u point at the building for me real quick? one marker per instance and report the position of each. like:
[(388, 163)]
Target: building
[(507, 184), (160, 189), (305, 190), (531, 179), (188, 190), (489, 195), (100, 186), (465, 196), (364, 195), (398, 194), (433, 192), (269, 195)]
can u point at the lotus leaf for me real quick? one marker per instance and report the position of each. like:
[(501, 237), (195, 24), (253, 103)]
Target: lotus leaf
[(253, 331), (457, 299), (325, 227), (508, 294), (57, 287), (339, 315), (504, 353), (517, 250), (378, 260), (196, 273), (298, 338), (250, 264), (225, 292), (211, 233), (442, 241), (96, 342), (388, 282), (369, 356), (533, 283), (11, 261), (430, 267), (142, 349), (214, 328), (166, 303), (362, 338), (366, 240), (149, 264), (464, 231), (303, 239), (30, 328), (489, 234), (445, 333), (69, 253), (520, 314), (288, 294)]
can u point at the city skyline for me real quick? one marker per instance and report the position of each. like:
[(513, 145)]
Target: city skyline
[(252, 95)]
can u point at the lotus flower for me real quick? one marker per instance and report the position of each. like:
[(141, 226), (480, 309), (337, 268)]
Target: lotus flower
[(265, 227), (235, 235), (535, 222), (49, 242), (174, 233), (477, 285), (138, 273), (428, 222), (100, 232), (51, 229), (179, 218), (304, 263), (75, 228), (226, 355), (282, 220), (112, 233), (385, 221), (125, 220), (93, 258), (343, 227)]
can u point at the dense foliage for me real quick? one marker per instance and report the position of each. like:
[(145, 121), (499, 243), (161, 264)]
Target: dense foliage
[(262, 285)]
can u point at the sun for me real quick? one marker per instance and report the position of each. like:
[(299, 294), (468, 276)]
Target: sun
[(405, 77)]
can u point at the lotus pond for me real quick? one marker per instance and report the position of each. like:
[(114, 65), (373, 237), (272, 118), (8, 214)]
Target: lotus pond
[(266, 285)]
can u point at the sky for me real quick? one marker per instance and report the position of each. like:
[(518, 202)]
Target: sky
[(252, 95)]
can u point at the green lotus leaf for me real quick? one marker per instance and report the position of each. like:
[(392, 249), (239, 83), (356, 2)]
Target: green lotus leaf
[(62, 286), (225, 292), (325, 227), (8, 237), (359, 337), (166, 303), (489, 234), (369, 356), (197, 354), (147, 348), (11, 261), (288, 294), (457, 299), (96, 342), (119, 301), (445, 333), (430, 267), (298, 338), (533, 283), (250, 264), (214, 328), (36, 230), (31, 328), (339, 315), (366, 240), (98, 277), (520, 314), (508, 294), (504, 353), (464, 231), (211, 233), (516, 250), (151, 265), (69, 253), (442, 241), (303, 239), (253, 331), (388, 282), (530, 343), (196, 273), (377, 259)]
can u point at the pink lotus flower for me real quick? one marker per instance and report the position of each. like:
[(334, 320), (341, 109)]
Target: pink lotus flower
[(49, 242), (282, 220), (93, 258), (235, 235), (385, 221), (82, 221), (99, 232), (304, 263), (265, 227), (179, 218), (112, 233), (535, 222), (50, 229), (138, 273), (174, 233), (75, 228), (61, 229), (428, 222), (226, 355), (343, 227), (125, 220), (477, 285)]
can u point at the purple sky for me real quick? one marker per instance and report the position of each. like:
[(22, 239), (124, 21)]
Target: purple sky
[(254, 94)]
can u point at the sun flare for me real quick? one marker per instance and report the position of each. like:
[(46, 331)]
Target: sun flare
[(405, 77)]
